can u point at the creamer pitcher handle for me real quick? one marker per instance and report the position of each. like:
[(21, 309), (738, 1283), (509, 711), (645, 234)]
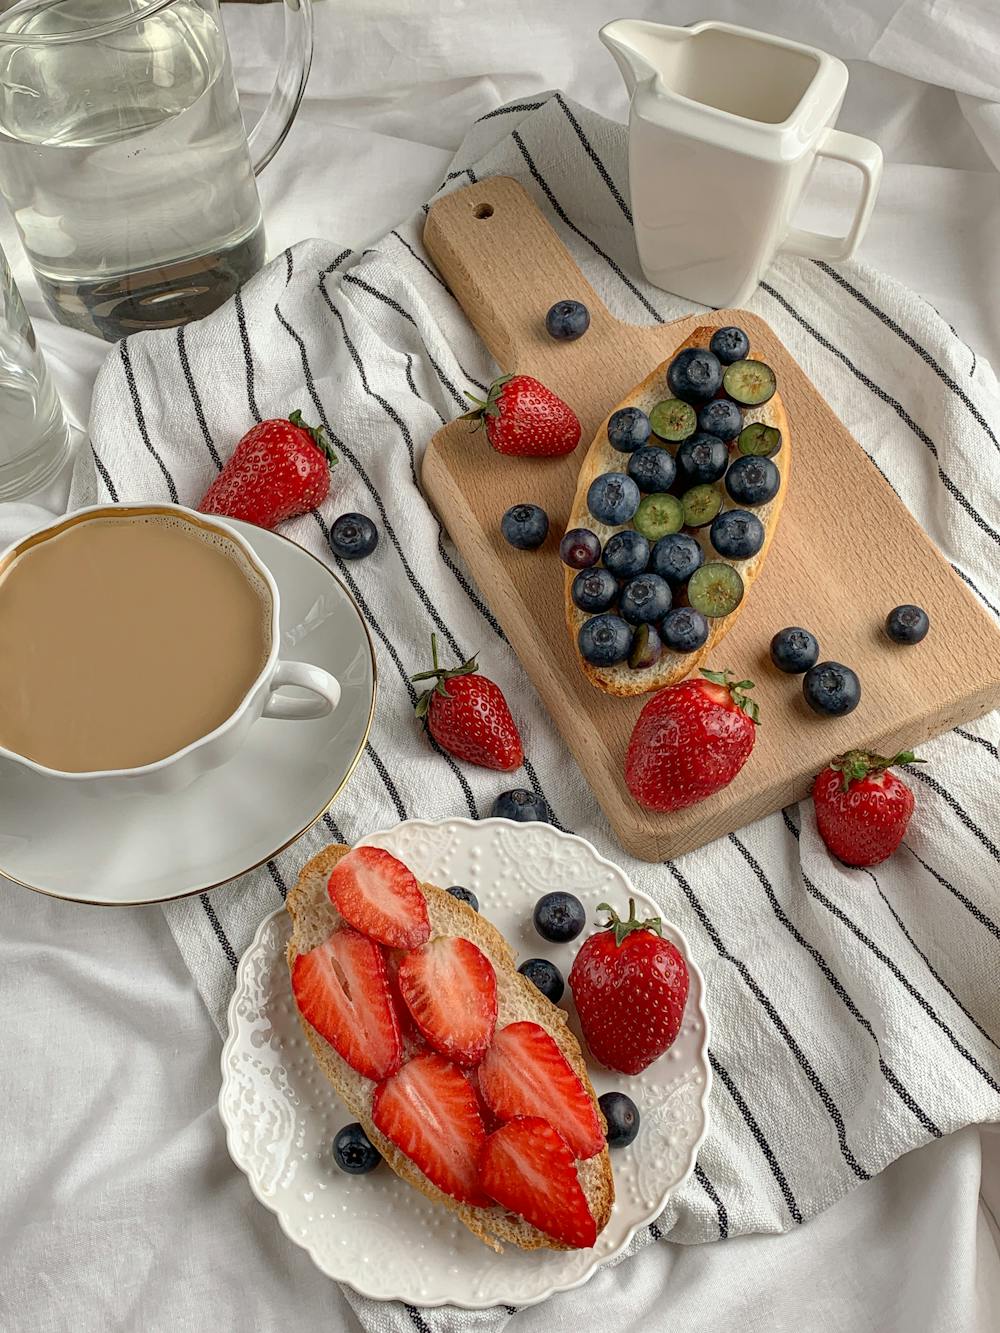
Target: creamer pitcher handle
[(867, 157), (268, 134)]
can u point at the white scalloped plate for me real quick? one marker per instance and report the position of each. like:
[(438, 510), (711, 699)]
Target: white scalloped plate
[(375, 1232)]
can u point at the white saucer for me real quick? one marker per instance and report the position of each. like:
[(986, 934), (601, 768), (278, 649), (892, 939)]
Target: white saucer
[(376, 1233), (60, 840)]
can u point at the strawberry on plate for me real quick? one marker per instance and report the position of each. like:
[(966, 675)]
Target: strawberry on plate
[(862, 809), (379, 896), (524, 1073), (429, 1111), (467, 715), (341, 989), (524, 418), (450, 989), (279, 468), (630, 986), (690, 741), (529, 1168)]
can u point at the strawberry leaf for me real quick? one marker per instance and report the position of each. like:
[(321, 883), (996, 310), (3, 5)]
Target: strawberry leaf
[(857, 764), (622, 929), (318, 436)]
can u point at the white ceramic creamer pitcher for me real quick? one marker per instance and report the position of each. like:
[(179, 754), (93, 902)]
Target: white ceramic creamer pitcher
[(725, 126)]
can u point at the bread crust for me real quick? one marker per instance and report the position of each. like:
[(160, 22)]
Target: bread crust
[(621, 680), (314, 917)]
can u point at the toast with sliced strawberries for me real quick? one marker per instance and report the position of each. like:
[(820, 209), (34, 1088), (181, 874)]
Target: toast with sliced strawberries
[(621, 679), (474, 1144)]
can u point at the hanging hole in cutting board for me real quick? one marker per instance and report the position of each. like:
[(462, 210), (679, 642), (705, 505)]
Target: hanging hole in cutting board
[(483, 211)]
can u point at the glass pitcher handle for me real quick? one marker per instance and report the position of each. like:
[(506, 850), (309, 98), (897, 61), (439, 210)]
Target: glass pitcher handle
[(268, 134)]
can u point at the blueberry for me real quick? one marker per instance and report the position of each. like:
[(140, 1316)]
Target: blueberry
[(622, 1116), (613, 498), (676, 557), (695, 375), (794, 650), (353, 536), (626, 554), (652, 469), (907, 624), (567, 321), (721, 417), (580, 548), (605, 640), (730, 344), (594, 590), (831, 688), (753, 480), (645, 599), (354, 1152), (684, 630), (546, 976), (464, 896), (559, 917), (525, 526), (702, 459), (524, 806), (628, 429), (737, 534)]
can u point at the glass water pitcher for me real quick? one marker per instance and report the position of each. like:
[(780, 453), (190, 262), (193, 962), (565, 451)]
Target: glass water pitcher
[(124, 159)]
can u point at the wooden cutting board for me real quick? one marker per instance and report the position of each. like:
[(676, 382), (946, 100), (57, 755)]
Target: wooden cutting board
[(846, 550)]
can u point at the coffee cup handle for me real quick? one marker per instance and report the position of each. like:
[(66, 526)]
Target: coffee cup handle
[(323, 686), (867, 157)]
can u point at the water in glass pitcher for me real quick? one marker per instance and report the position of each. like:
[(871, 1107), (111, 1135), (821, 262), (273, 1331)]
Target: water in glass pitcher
[(124, 160)]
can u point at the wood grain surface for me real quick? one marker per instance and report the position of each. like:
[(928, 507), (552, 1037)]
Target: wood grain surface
[(846, 551)]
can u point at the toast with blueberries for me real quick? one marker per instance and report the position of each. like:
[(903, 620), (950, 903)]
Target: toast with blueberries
[(682, 487), (463, 1075)]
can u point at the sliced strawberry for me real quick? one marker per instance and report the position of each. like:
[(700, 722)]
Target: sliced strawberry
[(525, 1073), (428, 1110), (527, 1166), (393, 958), (450, 988), (377, 895), (341, 988)]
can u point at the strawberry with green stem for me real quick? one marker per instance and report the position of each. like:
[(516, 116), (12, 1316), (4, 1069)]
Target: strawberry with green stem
[(862, 809), (468, 716), (524, 418)]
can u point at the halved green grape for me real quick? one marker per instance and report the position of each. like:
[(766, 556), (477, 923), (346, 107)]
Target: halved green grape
[(701, 504), (749, 382), (715, 589), (659, 515), (673, 420), (646, 648), (760, 440)]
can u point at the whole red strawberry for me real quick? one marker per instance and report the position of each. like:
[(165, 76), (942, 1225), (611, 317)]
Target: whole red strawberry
[(690, 740), (523, 417), (630, 986), (862, 809), (468, 716), (279, 469)]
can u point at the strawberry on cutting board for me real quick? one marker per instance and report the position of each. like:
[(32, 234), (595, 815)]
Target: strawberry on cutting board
[(528, 1166), (630, 986), (862, 810), (342, 990), (429, 1111), (468, 716), (380, 897), (450, 989), (690, 741), (524, 1073), (524, 418), (279, 468)]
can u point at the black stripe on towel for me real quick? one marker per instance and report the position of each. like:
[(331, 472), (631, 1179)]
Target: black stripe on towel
[(727, 1082), (105, 474), (589, 149), (959, 809), (422, 262), (870, 944), (710, 1190), (140, 418), (241, 319), (511, 110), (903, 1093), (778, 1022), (979, 740), (220, 934), (196, 403), (967, 903)]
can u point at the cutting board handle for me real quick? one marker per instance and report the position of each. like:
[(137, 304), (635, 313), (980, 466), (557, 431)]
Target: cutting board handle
[(507, 267)]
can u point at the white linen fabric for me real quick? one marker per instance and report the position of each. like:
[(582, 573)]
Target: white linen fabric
[(854, 1012)]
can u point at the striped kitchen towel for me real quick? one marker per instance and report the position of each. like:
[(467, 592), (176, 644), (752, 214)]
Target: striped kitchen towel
[(854, 1013)]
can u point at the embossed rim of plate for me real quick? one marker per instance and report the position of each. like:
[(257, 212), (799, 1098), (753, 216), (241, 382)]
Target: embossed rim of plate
[(535, 1299)]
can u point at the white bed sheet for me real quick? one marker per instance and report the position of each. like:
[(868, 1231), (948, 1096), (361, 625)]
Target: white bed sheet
[(119, 1207)]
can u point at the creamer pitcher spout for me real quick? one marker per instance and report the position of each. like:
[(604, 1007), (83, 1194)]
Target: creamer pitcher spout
[(637, 47)]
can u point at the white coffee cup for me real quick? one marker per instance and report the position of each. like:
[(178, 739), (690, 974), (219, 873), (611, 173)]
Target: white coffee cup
[(262, 699), (725, 127)]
